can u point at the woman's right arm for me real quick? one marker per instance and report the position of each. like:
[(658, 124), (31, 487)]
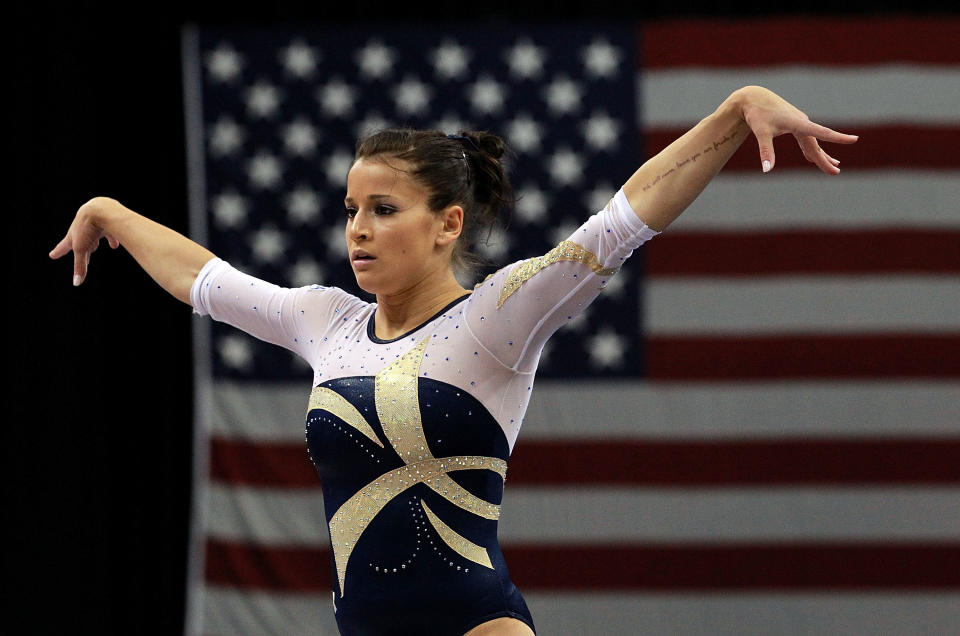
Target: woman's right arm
[(167, 256)]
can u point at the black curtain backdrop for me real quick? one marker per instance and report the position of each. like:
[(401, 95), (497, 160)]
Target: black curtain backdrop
[(98, 442)]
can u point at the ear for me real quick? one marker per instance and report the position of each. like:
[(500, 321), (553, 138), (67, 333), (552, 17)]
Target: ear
[(452, 225)]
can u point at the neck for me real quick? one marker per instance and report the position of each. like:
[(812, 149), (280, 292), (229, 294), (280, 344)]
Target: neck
[(405, 310)]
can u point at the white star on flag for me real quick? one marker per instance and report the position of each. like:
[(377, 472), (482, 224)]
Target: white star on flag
[(303, 205), (606, 349), (601, 59), (224, 63), (229, 210), (299, 59), (451, 124), (525, 59), (262, 99), (336, 243), (496, 246), (562, 232), (226, 137), (375, 60), (487, 95), (372, 123), (563, 96), (264, 171), (598, 197), (450, 60), (565, 167), (337, 165), (579, 321), (305, 271), (336, 98), (600, 131), (235, 351), (531, 204), (300, 137), (616, 284), (268, 244), (411, 96), (524, 134)]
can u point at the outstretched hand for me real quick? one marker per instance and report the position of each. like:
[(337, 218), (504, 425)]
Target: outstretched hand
[(768, 115), (82, 239)]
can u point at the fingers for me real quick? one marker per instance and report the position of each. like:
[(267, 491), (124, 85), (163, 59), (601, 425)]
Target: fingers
[(767, 156), (80, 262), (815, 155), (114, 243), (825, 134), (62, 248)]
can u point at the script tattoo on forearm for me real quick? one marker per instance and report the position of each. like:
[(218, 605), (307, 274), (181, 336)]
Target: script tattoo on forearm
[(692, 159)]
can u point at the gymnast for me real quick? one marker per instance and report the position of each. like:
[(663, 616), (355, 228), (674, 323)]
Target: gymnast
[(417, 399)]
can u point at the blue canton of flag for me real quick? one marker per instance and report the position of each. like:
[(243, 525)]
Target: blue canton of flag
[(282, 111)]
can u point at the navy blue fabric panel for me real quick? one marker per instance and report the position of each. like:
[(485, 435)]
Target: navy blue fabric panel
[(401, 577)]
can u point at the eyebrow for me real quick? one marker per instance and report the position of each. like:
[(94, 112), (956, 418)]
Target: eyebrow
[(374, 197)]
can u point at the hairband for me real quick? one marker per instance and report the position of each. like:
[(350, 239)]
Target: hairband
[(466, 139)]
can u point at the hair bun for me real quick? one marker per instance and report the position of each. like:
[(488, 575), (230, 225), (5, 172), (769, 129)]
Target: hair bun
[(487, 143)]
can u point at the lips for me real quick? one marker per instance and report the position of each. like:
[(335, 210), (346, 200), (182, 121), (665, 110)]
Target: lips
[(360, 259), (357, 255)]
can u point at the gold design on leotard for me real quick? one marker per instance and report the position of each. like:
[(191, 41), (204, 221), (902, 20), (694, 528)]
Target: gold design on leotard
[(336, 404), (565, 251), (458, 543), (398, 407), (398, 404)]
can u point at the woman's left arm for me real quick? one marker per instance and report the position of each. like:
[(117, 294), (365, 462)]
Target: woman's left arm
[(665, 185)]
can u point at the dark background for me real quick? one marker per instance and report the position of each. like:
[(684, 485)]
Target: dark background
[(99, 438)]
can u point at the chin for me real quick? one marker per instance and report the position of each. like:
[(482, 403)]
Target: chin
[(367, 283)]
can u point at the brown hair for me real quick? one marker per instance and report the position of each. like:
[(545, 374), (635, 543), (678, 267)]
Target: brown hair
[(463, 169)]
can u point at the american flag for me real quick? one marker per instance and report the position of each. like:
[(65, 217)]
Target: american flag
[(755, 428)]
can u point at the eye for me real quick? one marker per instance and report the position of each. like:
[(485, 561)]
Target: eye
[(384, 209), (351, 212)]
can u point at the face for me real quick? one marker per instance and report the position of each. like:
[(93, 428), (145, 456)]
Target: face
[(394, 241)]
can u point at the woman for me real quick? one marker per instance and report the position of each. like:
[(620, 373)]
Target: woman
[(418, 399)]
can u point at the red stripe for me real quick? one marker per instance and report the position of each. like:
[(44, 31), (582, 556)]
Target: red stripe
[(741, 463), (636, 567), (651, 463), (909, 147), (694, 358), (822, 41), (262, 464), (267, 568), (895, 251)]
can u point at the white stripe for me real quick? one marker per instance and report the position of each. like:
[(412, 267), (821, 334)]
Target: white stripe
[(630, 409), (612, 515), (250, 613), (260, 412), (829, 95), (236, 612), (637, 409), (289, 517), (810, 200), (633, 515), (733, 614), (787, 304)]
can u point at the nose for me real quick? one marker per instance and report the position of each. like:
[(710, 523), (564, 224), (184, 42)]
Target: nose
[(358, 227)]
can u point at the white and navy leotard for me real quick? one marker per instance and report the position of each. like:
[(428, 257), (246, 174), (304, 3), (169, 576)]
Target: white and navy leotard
[(411, 436)]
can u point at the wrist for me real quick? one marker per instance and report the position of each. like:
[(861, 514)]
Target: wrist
[(102, 211), (733, 106)]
